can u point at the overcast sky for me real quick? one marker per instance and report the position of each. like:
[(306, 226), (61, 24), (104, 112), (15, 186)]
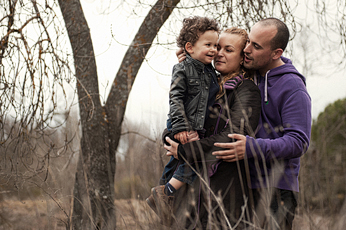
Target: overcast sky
[(149, 97)]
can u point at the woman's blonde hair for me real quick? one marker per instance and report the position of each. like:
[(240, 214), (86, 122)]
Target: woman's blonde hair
[(244, 35)]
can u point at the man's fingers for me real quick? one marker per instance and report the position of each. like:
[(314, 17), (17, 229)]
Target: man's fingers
[(225, 145), (236, 136), (223, 156), (223, 152)]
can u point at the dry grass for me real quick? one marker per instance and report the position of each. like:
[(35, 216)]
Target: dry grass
[(29, 215), (132, 214), (38, 215)]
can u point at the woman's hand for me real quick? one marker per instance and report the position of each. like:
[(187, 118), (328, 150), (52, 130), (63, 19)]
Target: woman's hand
[(172, 150), (181, 55)]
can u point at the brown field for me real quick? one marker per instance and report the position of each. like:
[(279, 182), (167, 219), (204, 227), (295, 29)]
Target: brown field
[(131, 215)]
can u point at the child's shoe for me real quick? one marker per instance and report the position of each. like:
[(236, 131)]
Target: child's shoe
[(164, 204), (151, 202)]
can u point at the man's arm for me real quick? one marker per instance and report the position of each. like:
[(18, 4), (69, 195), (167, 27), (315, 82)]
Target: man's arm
[(292, 144), (295, 137)]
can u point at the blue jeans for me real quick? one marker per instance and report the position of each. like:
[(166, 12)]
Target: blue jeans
[(175, 168), (179, 170)]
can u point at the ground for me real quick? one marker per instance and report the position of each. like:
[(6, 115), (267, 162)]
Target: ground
[(131, 215)]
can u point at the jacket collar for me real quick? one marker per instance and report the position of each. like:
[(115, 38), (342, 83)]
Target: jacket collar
[(198, 65)]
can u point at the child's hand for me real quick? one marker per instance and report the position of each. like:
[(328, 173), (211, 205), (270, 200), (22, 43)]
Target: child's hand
[(182, 137), (192, 136)]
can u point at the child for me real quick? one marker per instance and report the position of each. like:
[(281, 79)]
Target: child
[(194, 86)]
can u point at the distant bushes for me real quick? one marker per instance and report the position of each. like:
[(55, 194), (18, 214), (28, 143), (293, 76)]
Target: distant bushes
[(323, 172)]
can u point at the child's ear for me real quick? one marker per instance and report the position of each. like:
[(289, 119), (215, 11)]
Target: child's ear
[(189, 47)]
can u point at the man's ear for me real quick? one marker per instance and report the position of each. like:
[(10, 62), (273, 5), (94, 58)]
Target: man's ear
[(189, 47), (276, 54)]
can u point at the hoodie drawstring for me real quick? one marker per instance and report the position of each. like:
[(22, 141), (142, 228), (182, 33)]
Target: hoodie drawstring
[(266, 87)]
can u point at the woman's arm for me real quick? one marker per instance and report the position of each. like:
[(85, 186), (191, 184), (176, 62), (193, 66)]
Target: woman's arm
[(244, 114)]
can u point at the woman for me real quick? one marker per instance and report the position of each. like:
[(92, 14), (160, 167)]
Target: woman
[(216, 200)]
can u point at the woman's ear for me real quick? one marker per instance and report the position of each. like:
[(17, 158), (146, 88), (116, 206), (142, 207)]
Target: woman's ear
[(189, 47)]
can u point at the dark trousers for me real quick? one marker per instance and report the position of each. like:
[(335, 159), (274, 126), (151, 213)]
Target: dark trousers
[(275, 208)]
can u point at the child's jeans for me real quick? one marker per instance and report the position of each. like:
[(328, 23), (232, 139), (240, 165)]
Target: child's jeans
[(179, 170)]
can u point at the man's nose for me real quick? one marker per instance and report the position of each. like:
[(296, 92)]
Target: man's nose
[(247, 49)]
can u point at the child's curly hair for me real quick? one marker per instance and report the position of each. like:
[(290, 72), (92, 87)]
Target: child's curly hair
[(193, 27)]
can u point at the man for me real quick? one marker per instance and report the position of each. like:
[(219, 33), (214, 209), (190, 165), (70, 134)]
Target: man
[(284, 128)]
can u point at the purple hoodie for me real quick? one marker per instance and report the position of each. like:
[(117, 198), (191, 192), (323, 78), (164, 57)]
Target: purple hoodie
[(284, 128)]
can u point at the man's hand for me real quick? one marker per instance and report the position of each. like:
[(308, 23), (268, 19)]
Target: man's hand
[(181, 55), (172, 150), (234, 151)]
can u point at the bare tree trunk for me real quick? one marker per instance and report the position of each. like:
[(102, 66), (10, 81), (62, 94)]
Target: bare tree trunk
[(101, 127), (121, 87), (94, 158)]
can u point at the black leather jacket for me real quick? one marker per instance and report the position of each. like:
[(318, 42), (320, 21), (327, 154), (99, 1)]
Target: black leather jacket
[(243, 109), (188, 96)]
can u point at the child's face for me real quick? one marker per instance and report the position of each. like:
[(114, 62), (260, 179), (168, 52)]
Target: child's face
[(229, 57), (205, 49)]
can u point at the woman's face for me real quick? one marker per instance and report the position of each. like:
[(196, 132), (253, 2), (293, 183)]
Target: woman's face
[(229, 56)]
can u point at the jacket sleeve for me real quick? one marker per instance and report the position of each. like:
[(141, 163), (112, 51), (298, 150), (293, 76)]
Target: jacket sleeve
[(296, 114), (244, 113), (246, 109), (177, 96)]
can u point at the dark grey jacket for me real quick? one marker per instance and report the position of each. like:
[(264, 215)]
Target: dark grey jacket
[(237, 112), (188, 96)]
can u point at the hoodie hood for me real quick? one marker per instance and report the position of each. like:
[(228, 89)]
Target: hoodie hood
[(287, 68), (274, 74)]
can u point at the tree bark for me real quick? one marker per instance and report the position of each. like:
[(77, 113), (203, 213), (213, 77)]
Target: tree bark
[(132, 61), (101, 126), (92, 174)]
